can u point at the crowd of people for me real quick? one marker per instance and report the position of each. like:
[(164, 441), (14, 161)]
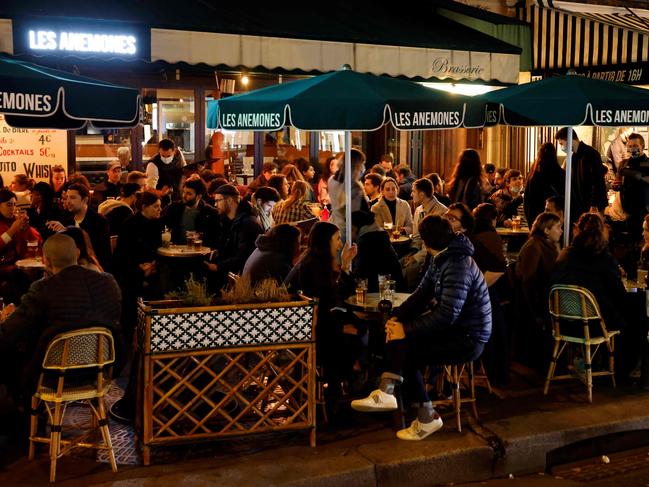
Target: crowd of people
[(452, 260)]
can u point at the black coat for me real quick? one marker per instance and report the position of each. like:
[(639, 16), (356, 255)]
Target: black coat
[(588, 184), (137, 243), (99, 232), (238, 240), (375, 257), (599, 274), (405, 188), (268, 261), (208, 223), (635, 191), (453, 293), (73, 298), (539, 187)]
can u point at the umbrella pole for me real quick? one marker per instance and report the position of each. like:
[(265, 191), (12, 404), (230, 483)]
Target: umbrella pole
[(566, 210), (348, 186)]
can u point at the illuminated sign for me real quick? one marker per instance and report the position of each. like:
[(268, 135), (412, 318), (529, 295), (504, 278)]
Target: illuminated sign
[(49, 40)]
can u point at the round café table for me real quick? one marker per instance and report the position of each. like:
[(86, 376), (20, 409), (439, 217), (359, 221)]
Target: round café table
[(183, 251), (30, 264), (400, 240), (371, 304), (510, 232)]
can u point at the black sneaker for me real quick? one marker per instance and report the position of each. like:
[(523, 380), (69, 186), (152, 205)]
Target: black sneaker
[(123, 411)]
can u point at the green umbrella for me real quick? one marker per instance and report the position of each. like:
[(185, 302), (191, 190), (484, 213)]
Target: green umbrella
[(567, 100), (344, 100), (33, 96)]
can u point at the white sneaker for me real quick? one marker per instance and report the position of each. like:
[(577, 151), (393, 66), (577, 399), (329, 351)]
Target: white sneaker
[(376, 401), (418, 431)]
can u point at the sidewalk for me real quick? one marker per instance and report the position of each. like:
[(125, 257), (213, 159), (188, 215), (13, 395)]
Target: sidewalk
[(518, 430)]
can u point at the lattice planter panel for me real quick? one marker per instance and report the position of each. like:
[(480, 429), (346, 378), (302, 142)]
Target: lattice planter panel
[(218, 372)]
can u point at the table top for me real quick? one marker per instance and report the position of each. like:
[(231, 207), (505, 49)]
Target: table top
[(510, 232), (372, 301), (183, 251), (633, 286), (400, 240), (30, 264)]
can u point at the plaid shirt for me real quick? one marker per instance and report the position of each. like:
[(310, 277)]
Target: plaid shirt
[(283, 213)]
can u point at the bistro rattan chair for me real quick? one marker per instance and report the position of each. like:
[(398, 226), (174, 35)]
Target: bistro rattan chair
[(578, 305), (91, 350)]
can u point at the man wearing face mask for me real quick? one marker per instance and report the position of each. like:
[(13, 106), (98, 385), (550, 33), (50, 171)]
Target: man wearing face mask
[(588, 186), (633, 183), (513, 187), (164, 170)]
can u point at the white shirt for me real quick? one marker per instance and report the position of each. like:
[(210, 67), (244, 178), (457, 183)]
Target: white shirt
[(152, 174)]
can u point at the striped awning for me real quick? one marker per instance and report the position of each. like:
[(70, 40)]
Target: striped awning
[(568, 35)]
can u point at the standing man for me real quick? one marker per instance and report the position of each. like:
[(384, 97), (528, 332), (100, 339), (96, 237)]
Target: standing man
[(405, 180), (240, 229), (588, 190), (89, 220), (633, 182), (387, 161), (165, 170), (447, 320)]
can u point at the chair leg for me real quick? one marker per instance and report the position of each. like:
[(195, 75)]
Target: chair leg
[(33, 427), (611, 359), (455, 377), (105, 432), (472, 389), (589, 371), (551, 369), (55, 439), (483, 373)]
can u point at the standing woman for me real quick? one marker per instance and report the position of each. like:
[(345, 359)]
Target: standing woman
[(337, 190), (467, 180), (546, 179), (135, 258), (391, 209), (329, 169), (318, 275), (295, 208)]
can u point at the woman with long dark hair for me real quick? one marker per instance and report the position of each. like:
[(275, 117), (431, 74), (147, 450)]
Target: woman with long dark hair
[(328, 169), (337, 190), (467, 180), (279, 183), (546, 179), (318, 275)]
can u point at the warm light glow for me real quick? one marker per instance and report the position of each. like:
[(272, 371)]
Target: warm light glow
[(245, 80), (467, 89)]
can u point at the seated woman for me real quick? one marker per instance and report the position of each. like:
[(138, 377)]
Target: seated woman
[(280, 184), (295, 208), (273, 258), (490, 258), (535, 264), (391, 209), (376, 256), (588, 263), (318, 275), (87, 257)]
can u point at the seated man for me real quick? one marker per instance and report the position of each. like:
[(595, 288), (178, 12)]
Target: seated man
[(117, 211), (72, 297), (447, 320)]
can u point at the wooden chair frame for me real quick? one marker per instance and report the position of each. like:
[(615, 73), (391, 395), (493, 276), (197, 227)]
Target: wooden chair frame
[(589, 311), (56, 399)]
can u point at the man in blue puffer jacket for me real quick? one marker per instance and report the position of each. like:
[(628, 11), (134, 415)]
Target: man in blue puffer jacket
[(447, 320)]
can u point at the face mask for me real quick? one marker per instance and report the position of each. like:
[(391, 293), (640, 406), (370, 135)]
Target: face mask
[(564, 148), (515, 189), (167, 160), (635, 152)]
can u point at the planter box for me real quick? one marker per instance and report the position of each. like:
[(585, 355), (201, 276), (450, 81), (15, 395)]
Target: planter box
[(219, 371)]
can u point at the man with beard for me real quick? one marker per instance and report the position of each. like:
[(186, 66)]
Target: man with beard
[(192, 214)]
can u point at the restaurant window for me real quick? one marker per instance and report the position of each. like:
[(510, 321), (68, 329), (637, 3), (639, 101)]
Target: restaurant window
[(169, 114), (94, 148)]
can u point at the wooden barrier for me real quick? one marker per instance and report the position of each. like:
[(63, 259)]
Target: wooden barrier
[(222, 371)]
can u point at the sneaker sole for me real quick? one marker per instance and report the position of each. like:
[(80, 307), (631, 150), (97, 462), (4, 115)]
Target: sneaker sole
[(372, 409), (428, 433)]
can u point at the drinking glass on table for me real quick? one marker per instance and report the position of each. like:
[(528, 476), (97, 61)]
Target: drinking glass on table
[(516, 223), (32, 249), (198, 241), (383, 279), (388, 226), (389, 289), (361, 290), (190, 235)]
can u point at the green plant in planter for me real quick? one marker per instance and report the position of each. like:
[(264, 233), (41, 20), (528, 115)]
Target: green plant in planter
[(194, 293), (243, 292)]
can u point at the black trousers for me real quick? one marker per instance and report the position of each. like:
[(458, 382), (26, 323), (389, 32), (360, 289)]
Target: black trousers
[(409, 357)]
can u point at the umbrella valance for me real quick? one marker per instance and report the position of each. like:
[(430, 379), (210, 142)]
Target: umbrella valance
[(569, 100), (342, 100), (33, 96)]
